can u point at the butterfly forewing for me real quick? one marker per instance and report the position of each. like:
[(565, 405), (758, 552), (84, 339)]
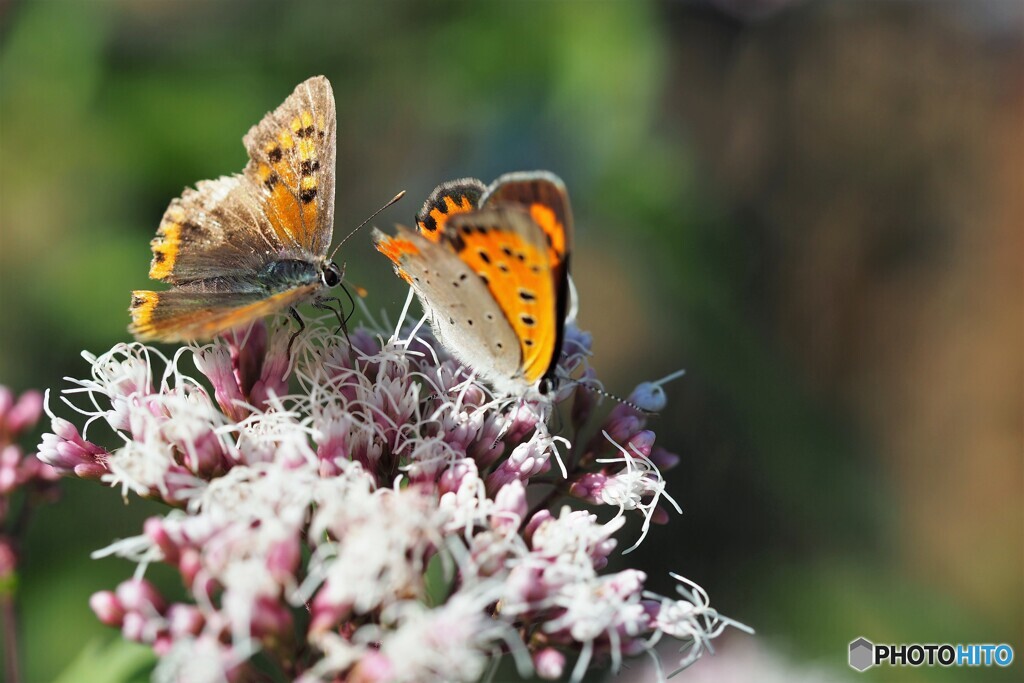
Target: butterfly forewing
[(463, 313), (292, 154)]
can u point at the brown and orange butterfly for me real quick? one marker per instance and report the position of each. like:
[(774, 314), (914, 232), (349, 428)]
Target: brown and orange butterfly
[(240, 247), (491, 268)]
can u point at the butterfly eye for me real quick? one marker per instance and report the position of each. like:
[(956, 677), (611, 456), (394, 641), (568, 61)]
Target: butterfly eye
[(331, 275)]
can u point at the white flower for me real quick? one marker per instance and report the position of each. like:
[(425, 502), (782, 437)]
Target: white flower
[(639, 486)]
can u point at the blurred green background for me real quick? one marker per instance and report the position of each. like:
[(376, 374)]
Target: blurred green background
[(816, 208)]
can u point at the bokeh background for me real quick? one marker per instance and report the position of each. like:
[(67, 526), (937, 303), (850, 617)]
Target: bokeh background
[(816, 208)]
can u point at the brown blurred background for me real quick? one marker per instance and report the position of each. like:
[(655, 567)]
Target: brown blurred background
[(816, 208)]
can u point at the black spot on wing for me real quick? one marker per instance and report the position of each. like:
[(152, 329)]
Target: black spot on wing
[(307, 195)]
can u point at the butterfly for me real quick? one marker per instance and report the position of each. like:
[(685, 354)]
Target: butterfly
[(490, 266), (240, 247)]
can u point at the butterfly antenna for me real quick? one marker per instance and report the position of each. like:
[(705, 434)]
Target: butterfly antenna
[(607, 394), (370, 218)]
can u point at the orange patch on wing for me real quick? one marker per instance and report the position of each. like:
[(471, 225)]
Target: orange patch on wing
[(165, 248), (544, 216), (518, 275), (395, 248), (142, 306), (285, 214), (170, 321), (263, 172)]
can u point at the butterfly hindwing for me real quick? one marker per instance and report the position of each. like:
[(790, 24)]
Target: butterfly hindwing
[(464, 315), (184, 314), (545, 198), (447, 200), (292, 154)]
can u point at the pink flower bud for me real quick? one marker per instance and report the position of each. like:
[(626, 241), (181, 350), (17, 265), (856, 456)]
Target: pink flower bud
[(549, 663), (325, 611), (162, 644), (248, 348), (374, 667), (283, 559), (270, 619), (107, 608), (451, 479), (189, 565), (660, 515), (133, 627), (642, 442), (663, 459), (539, 518), (184, 620), (622, 423), (25, 413), (139, 595), (509, 506), (588, 486), (154, 529)]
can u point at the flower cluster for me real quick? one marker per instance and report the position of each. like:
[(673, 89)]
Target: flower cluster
[(367, 511)]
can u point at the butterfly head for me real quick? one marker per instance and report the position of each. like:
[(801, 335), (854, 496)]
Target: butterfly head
[(330, 274)]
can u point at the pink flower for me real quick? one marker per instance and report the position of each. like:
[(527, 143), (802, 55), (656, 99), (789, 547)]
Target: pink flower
[(367, 513)]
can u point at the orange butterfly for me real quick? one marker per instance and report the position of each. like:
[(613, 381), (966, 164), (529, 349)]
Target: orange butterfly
[(240, 247), (491, 268)]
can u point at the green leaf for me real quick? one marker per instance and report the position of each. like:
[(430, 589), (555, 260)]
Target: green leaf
[(114, 661)]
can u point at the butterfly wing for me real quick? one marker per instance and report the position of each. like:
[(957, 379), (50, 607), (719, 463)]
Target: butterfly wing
[(448, 199), (188, 313), (544, 197), (465, 317), (510, 253), (292, 154), (218, 229)]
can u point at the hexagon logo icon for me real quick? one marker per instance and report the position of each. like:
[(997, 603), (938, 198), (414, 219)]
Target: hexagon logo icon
[(862, 654)]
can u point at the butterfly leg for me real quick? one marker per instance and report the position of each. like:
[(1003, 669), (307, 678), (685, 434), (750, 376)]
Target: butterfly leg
[(302, 326), (321, 303), (351, 301)]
